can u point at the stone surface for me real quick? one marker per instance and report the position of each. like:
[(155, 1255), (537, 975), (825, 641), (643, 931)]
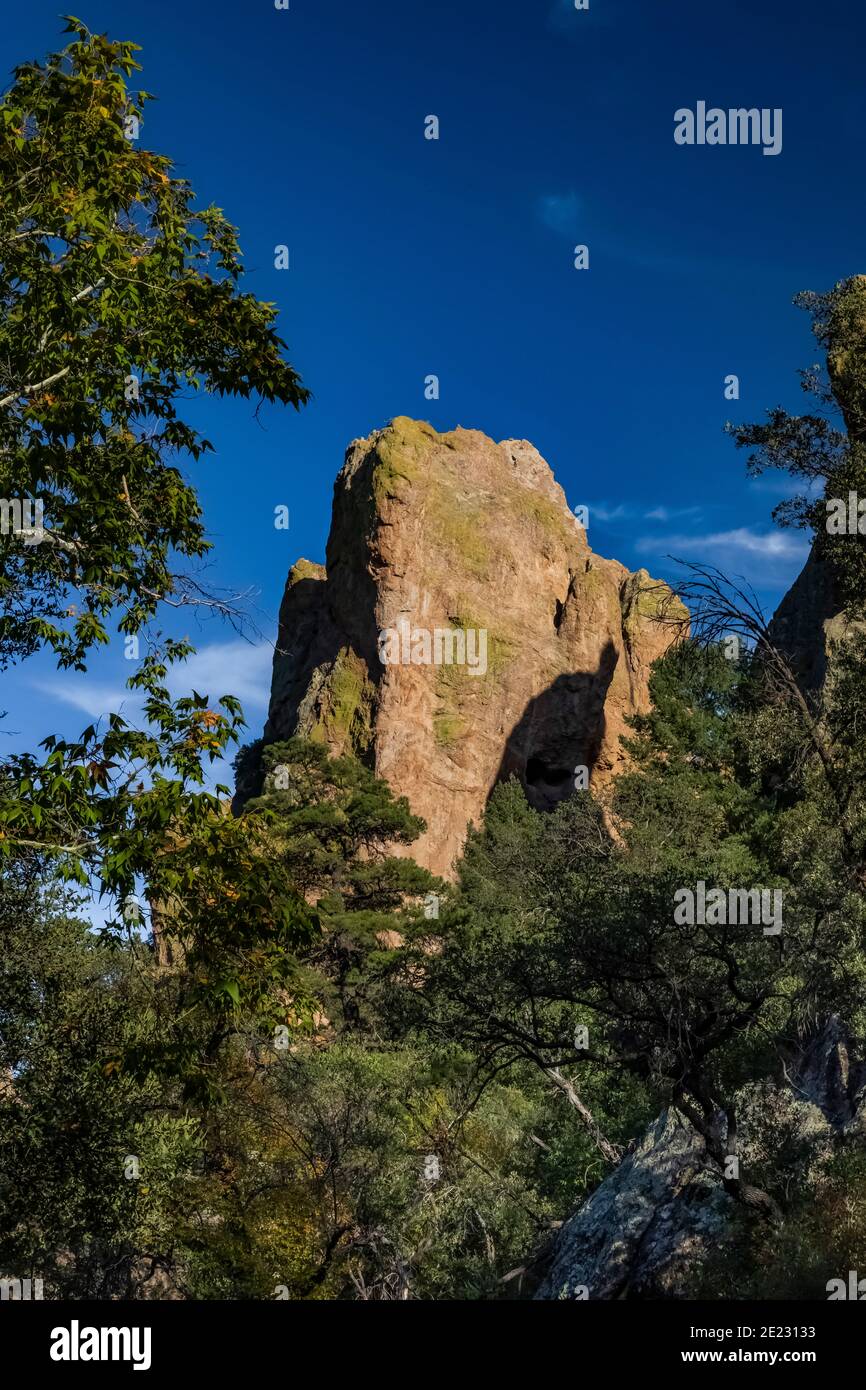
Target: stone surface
[(807, 621), (810, 617), (458, 533), (648, 1227)]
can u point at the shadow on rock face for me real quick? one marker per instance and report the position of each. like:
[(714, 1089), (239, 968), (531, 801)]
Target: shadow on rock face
[(560, 730)]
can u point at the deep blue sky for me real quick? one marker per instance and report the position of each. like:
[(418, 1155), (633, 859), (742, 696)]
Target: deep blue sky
[(454, 257)]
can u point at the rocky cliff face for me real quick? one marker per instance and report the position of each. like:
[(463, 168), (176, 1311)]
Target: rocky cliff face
[(808, 621), (450, 546), (811, 616)]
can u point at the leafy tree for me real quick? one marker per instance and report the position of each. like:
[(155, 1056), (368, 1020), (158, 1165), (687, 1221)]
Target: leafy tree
[(382, 1173), (335, 825), (563, 925), (117, 295), (823, 1236), (93, 1162), (827, 448), (124, 806)]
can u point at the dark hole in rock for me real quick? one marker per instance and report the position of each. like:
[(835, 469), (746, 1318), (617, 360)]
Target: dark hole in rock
[(538, 771)]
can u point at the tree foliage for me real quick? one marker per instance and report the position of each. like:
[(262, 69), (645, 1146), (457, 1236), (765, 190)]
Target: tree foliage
[(118, 295), (338, 1077), (825, 449)]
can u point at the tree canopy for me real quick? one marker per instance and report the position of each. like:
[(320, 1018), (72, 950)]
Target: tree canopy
[(118, 295)]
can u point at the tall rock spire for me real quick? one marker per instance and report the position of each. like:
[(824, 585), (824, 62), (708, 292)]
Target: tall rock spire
[(447, 546)]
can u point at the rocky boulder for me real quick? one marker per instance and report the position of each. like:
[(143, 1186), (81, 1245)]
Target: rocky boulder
[(648, 1228)]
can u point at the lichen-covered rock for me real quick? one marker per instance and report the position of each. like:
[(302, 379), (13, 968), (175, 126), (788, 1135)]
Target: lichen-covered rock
[(808, 621), (455, 533), (648, 1228)]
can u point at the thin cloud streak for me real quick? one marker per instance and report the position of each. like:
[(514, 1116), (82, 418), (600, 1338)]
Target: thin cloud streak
[(600, 511), (93, 698), (228, 668), (778, 545), (767, 560)]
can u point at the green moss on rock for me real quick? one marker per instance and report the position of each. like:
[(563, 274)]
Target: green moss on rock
[(448, 728), (644, 600), (305, 569), (459, 530), (398, 452), (347, 706), (500, 648), (541, 511)]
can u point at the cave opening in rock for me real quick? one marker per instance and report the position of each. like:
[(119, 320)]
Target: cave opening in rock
[(542, 775), (548, 781)]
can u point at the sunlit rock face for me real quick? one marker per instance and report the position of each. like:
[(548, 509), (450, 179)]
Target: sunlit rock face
[(462, 630)]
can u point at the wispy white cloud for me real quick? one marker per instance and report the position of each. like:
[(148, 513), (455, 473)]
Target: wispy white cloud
[(784, 486), (93, 698), (762, 557), (602, 511), (223, 668), (778, 544), (227, 668), (671, 514)]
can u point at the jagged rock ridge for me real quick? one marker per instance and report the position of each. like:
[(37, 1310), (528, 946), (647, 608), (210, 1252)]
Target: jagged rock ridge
[(455, 532)]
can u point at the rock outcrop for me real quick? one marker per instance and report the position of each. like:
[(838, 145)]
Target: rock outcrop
[(808, 620), (647, 1226), (647, 1230), (457, 535), (811, 617)]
